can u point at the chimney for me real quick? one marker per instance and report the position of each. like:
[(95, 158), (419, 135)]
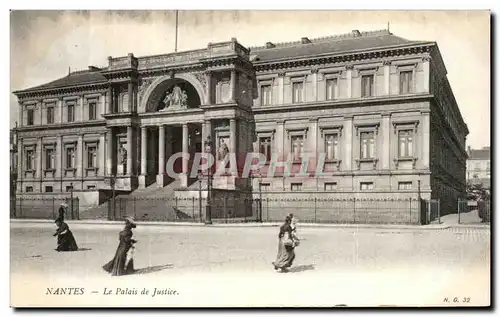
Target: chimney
[(356, 33), (305, 40), (270, 45)]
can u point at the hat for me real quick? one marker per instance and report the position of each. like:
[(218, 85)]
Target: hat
[(64, 204), (130, 220)]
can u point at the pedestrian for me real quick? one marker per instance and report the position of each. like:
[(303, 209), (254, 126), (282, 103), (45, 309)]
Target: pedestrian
[(62, 211), (122, 263), (286, 247), (293, 224), (65, 239)]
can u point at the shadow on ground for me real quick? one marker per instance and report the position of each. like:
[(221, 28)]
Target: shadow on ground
[(152, 269), (301, 268), (84, 249)]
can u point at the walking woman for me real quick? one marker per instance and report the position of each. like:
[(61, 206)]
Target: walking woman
[(286, 247), (62, 211), (122, 263), (65, 239)]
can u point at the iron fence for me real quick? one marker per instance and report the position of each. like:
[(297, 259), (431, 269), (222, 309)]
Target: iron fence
[(43, 208), (472, 211)]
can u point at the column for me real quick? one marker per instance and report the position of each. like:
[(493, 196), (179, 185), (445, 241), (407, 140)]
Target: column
[(144, 157), (82, 109), (79, 170), (41, 111), (425, 139), (39, 151), (426, 69), (59, 155), (60, 109), (109, 151), (185, 150), (208, 75), (279, 139), (20, 115), (102, 109), (348, 143), (387, 77), (386, 141), (110, 99), (160, 178), (102, 154), (232, 136), (315, 83), (233, 84), (130, 97), (349, 80), (129, 151), (281, 88)]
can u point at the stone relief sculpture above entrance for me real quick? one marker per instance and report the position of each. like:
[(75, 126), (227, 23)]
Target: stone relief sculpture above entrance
[(176, 99)]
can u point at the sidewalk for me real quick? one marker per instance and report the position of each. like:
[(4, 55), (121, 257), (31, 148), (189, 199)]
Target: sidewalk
[(249, 224)]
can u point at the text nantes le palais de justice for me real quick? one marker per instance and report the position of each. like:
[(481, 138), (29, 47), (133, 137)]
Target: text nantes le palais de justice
[(112, 291)]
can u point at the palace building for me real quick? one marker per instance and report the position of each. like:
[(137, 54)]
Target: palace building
[(379, 107)]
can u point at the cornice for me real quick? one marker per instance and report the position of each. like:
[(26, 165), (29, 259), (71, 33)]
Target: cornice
[(343, 57), (61, 91)]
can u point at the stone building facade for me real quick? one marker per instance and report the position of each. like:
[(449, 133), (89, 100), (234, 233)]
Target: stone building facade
[(479, 166), (379, 106)]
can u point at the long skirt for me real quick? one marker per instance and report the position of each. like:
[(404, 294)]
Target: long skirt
[(120, 264), (66, 242), (285, 256)]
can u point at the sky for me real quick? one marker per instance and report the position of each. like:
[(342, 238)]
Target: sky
[(45, 44)]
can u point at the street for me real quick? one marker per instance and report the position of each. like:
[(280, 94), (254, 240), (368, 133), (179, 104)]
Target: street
[(231, 266)]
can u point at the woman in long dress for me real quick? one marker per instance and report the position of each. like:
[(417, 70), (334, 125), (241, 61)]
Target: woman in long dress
[(65, 239), (286, 247), (122, 264)]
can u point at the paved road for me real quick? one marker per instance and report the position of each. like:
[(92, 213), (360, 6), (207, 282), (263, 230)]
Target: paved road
[(232, 266)]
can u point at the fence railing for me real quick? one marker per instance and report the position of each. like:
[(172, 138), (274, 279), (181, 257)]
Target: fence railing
[(43, 208)]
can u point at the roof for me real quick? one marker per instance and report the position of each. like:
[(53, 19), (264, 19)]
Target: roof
[(482, 154), (334, 44), (73, 79)]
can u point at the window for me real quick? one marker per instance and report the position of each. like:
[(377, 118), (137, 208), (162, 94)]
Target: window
[(297, 147), (69, 188), (92, 156), (91, 187), (367, 145), (298, 91), (265, 187), (405, 185), (49, 159), (29, 189), (30, 160), (366, 85), (331, 88), (49, 189), (366, 185), (265, 95), (405, 138), (265, 147), (296, 187), (71, 113), (405, 82), (70, 157), (50, 115), (332, 146), (30, 117), (92, 110), (330, 187)]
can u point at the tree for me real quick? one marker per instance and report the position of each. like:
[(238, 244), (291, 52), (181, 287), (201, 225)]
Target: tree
[(477, 192)]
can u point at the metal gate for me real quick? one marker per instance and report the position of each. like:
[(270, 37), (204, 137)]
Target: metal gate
[(430, 211)]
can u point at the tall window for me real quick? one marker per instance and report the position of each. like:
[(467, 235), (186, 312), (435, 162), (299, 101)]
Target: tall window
[(29, 189), (405, 82), (265, 187), (92, 110), (30, 116), (49, 159), (50, 115), (405, 143), (332, 88), (330, 187), (71, 113), (298, 91), (405, 185), (367, 145), (70, 157), (265, 95), (366, 85), (296, 187), (30, 160), (265, 147), (297, 147), (92, 156), (49, 189), (332, 146), (366, 185)]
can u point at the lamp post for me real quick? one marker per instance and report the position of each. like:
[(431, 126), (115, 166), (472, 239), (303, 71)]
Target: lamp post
[(208, 216), (71, 198)]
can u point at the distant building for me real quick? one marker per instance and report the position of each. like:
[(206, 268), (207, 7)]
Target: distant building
[(479, 166)]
